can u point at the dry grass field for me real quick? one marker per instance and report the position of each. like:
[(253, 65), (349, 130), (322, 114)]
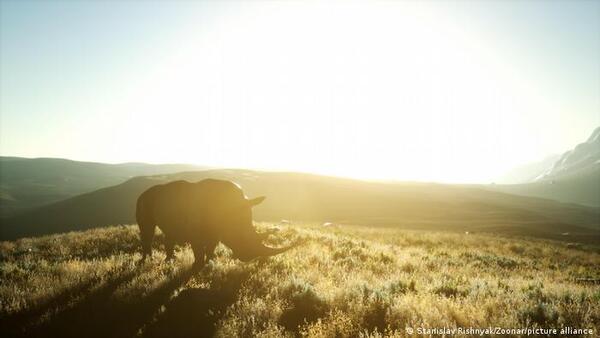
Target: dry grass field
[(341, 282)]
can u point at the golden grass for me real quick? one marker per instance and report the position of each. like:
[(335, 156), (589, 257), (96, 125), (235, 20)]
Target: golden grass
[(344, 282)]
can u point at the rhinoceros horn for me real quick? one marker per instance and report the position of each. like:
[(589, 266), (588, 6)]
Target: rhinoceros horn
[(255, 201), (265, 251), (261, 250)]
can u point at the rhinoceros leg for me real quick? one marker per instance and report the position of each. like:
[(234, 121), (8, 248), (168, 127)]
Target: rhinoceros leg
[(170, 248), (199, 251), (203, 252), (147, 235), (210, 250)]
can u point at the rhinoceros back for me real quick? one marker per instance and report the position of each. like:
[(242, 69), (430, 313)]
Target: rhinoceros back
[(179, 208)]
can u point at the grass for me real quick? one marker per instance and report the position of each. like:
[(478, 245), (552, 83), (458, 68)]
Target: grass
[(342, 282)]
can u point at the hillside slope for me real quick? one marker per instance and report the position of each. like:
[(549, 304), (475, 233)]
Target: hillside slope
[(528, 172), (574, 177), (26, 183), (343, 282), (306, 197), (581, 186), (584, 156)]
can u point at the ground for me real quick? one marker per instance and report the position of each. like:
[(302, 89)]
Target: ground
[(342, 281)]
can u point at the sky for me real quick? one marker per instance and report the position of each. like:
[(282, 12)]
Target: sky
[(407, 90)]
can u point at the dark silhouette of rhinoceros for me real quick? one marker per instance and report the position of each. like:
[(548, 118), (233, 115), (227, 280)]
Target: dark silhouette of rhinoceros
[(202, 214)]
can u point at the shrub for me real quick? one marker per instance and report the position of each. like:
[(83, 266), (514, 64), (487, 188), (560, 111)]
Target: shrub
[(542, 314), (305, 305)]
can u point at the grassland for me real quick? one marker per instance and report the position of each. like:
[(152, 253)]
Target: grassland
[(343, 281)]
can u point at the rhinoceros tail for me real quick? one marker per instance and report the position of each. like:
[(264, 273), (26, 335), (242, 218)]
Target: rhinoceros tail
[(145, 221)]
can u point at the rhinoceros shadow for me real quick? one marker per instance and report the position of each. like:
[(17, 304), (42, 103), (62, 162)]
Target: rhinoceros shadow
[(16, 324), (191, 313), (194, 312)]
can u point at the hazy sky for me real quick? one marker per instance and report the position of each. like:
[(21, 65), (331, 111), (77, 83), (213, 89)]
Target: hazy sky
[(412, 90)]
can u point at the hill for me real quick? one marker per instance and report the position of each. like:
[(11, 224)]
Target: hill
[(343, 282), (574, 177), (306, 197), (581, 186), (528, 172), (27, 183), (584, 156)]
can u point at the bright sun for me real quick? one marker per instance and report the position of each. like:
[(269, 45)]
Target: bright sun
[(395, 90)]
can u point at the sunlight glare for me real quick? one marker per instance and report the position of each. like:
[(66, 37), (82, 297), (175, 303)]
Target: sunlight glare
[(389, 91)]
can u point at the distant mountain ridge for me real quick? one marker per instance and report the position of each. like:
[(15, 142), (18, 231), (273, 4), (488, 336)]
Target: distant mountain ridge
[(584, 156), (528, 172), (29, 182), (42, 196), (574, 177), (314, 198)]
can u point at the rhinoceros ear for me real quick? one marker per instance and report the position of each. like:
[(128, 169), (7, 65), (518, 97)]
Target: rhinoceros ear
[(256, 201)]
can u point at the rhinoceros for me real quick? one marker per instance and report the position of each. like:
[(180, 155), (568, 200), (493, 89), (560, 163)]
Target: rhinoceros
[(202, 214)]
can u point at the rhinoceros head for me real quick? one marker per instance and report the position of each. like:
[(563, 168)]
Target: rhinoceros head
[(241, 235)]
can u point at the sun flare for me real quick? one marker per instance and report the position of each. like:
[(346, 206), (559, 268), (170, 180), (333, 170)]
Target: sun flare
[(386, 90)]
